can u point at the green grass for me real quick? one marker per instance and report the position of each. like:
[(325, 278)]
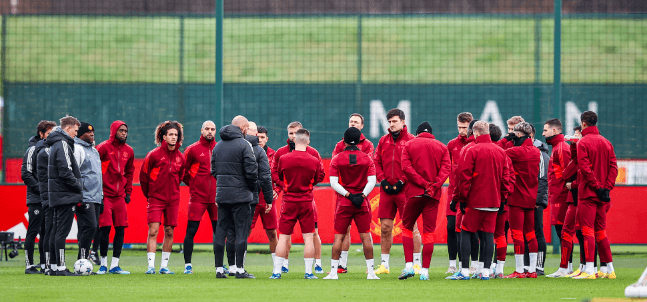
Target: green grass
[(418, 49), (629, 262)]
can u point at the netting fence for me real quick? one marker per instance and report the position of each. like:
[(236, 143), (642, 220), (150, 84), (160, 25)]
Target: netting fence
[(319, 61)]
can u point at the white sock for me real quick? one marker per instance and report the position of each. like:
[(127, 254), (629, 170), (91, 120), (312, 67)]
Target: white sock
[(408, 265), (562, 270), (241, 270), (104, 261), (286, 262), (187, 265), (273, 257), (526, 268), (54, 267), (533, 262), (165, 258), (480, 267), (486, 273), (518, 258), (370, 265), (465, 271), (220, 270), (151, 259), (309, 262), (233, 268), (610, 268), (42, 266), (570, 267), (603, 269), (318, 262), (595, 268), (385, 261), (590, 268), (114, 263), (416, 259), (499, 267), (333, 266), (343, 258), (452, 263), (278, 263), (424, 271)]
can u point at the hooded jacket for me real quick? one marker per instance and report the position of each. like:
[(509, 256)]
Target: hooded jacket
[(117, 164), (63, 175), (28, 172), (526, 160), (270, 158), (484, 175), (454, 147), (197, 171), (280, 186), (162, 173), (234, 166), (596, 161), (425, 160), (388, 157), (89, 163), (542, 188), (264, 188), (42, 149), (364, 145)]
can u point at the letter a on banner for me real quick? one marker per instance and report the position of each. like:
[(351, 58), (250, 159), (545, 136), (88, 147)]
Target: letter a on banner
[(492, 115)]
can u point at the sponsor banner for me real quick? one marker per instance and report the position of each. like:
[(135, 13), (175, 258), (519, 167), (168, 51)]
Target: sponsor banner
[(623, 220)]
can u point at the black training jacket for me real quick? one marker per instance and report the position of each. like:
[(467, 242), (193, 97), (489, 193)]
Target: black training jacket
[(542, 189), (42, 148), (234, 166), (28, 171), (264, 171), (63, 174)]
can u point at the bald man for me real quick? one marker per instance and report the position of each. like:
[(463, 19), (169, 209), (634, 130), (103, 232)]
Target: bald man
[(202, 188)]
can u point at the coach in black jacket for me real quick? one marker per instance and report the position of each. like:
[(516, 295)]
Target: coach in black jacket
[(233, 164), (47, 238), (63, 184)]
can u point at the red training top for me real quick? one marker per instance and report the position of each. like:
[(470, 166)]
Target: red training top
[(470, 143), (525, 161), (559, 160), (162, 173), (278, 182), (425, 160), (197, 175), (388, 157), (364, 145), (596, 161), (300, 172), (117, 164), (454, 147), (353, 167)]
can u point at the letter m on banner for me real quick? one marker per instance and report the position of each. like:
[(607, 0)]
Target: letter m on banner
[(378, 116)]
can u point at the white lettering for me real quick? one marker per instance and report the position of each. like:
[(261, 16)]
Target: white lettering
[(573, 115), (492, 115)]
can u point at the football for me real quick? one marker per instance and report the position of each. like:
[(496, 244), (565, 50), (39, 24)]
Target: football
[(83, 267)]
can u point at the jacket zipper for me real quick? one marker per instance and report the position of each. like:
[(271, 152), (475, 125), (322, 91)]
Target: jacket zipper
[(209, 192), (118, 169)]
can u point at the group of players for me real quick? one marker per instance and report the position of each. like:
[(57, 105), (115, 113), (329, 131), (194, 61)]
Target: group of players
[(494, 184)]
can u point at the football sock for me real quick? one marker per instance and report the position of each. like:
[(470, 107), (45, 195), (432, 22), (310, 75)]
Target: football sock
[(370, 265), (286, 263), (233, 269), (518, 258), (318, 262), (114, 263), (610, 267), (603, 269), (151, 259), (54, 267), (165, 258), (417, 259), (562, 270), (465, 271), (220, 270), (570, 266), (590, 268), (187, 265), (499, 266), (309, 262), (385, 260), (408, 265), (241, 270), (526, 268), (424, 271), (452, 263), (533, 263), (343, 258), (480, 267), (273, 257), (42, 266), (333, 266), (278, 263), (104, 261)]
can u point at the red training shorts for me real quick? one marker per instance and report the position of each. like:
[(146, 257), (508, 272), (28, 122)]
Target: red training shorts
[(390, 204), (115, 212), (197, 209), (344, 216), (157, 207), (268, 220), (477, 220), (416, 206), (291, 212)]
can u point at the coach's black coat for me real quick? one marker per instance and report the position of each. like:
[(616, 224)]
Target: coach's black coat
[(28, 171), (42, 149), (542, 189), (63, 174), (233, 164), (264, 171)]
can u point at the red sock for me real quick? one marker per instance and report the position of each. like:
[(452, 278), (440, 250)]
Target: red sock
[(604, 248), (589, 243), (567, 249), (407, 244), (517, 238), (501, 248), (427, 252)]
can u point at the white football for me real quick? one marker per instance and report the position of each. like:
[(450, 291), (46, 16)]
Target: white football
[(83, 267)]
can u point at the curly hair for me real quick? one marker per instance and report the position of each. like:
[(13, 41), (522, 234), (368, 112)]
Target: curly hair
[(164, 127)]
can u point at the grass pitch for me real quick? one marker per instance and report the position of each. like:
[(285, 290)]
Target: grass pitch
[(629, 261)]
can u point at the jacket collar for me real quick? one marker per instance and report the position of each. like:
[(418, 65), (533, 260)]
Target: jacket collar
[(402, 133), (483, 139), (470, 139), (590, 130), (426, 135), (81, 142), (462, 139), (164, 147), (206, 143), (351, 148), (555, 140)]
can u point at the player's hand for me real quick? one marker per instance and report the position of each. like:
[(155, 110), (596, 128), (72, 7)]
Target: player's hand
[(386, 186), (603, 194), (452, 205), (127, 198), (463, 205), (429, 189), (274, 195), (568, 185), (510, 136), (397, 187), (268, 208), (356, 199)]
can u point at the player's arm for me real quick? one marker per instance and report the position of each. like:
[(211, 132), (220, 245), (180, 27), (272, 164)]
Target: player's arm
[(265, 177), (129, 173), (189, 170), (542, 189), (27, 170), (443, 173), (64, 164), (508, 179), (320, 174), (276, 179), (144, 174), (371, 149), (584, 165), (465, 174), (334, 178), (182, 171), (251, 167), (613, 170), (377, 159), (409, 171)]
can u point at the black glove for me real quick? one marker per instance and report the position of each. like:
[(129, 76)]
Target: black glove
[(356, 199), (386, 186), (603, 194), (463, 205), (397, 187), (510, 136), (127, 198), (502, 206), (452, 205)]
